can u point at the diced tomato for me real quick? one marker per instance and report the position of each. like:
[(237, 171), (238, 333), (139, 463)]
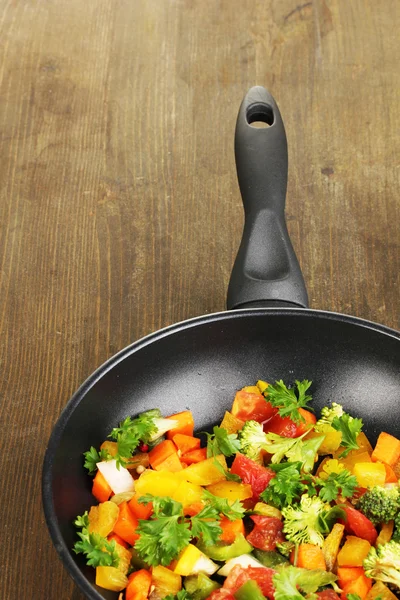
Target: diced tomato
[(282, 426), (261, 575), (286, 427), (328, 595), (250, 472), (252, 406), (359, 525), (221, 594), (266, 533)]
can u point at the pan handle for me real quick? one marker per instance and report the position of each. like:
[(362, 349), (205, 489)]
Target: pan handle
[(266, 271)]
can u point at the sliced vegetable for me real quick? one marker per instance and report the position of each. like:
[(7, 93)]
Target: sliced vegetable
[(387, 449), (138, 586), (126, 524), (111, 578), (100, 489), (353, 552), (252, 406), (183, 423), (224, 552), (119, 479), (308, 556)]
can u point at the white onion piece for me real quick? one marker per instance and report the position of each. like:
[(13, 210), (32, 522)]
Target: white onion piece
[(163, 425), (119, 480), (204, 565), (244, 560)]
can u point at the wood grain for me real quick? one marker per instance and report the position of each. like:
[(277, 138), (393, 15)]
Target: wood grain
[(119, 207)]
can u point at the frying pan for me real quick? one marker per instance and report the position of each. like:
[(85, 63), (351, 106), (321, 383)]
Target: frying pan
[(199, 364)]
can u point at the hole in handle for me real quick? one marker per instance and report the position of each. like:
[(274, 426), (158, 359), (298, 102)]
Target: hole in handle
[(260, 116)]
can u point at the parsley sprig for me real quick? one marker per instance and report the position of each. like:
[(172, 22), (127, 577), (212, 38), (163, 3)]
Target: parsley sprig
[(168, 531), (92, 457), (98, 550), (131, 432), (293, 583), (349, 427), (290, 483), (222, 442), (336, 484), (286, 486), (289, 400)]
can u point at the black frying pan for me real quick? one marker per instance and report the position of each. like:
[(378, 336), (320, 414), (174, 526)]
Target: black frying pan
[(200, 363)]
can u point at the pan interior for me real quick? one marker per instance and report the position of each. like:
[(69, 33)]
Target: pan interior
[(199, 365)]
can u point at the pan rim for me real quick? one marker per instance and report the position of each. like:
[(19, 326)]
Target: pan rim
[(64, 553)]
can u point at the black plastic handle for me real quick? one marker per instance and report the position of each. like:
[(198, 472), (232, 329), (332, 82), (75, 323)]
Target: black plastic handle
[(266, 271)]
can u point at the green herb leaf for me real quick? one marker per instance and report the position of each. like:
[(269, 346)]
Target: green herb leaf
[(98, 550), (290, 581), (92, 457), (337, 484), (205, 525), (286, 486), (228, 475), (222, 442), (289, 400), (349, 427), (221, 505), (165, 534), (131, 432)]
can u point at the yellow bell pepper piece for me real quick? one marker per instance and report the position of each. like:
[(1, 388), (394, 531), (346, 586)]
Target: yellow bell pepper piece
[(331, 545), (111, 578), (353, 552), (262, 385), (204, 472), (165, 581), (231, 490), (157, 483), (385, 533), (188, 493), (187, 560), (125, 557), (103, 517), (231, 423), (332, 438), (352, 459), (369, 474), (380, 590), (261, 508), (251, 389)]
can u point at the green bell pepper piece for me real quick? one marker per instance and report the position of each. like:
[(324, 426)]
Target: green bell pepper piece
[(249, 591), (224, 552), (270, 558), (200, 586)]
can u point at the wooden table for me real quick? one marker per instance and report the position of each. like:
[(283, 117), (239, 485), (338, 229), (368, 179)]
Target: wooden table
[(119, 206)]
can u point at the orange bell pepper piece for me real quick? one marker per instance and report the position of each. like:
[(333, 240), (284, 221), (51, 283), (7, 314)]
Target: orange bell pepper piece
[(185, 424), (186, 443), (160, 452), (231, 529), (126, 524), (139, 510), (194, 456), (359, 586), (309, 556), (139, 584), (387, 449), (100, 489)]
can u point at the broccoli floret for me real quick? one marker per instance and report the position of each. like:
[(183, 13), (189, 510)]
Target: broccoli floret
[(252, 440), (383, 563), (380, 504), (328, 413), (303, 522), (396, 529)]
